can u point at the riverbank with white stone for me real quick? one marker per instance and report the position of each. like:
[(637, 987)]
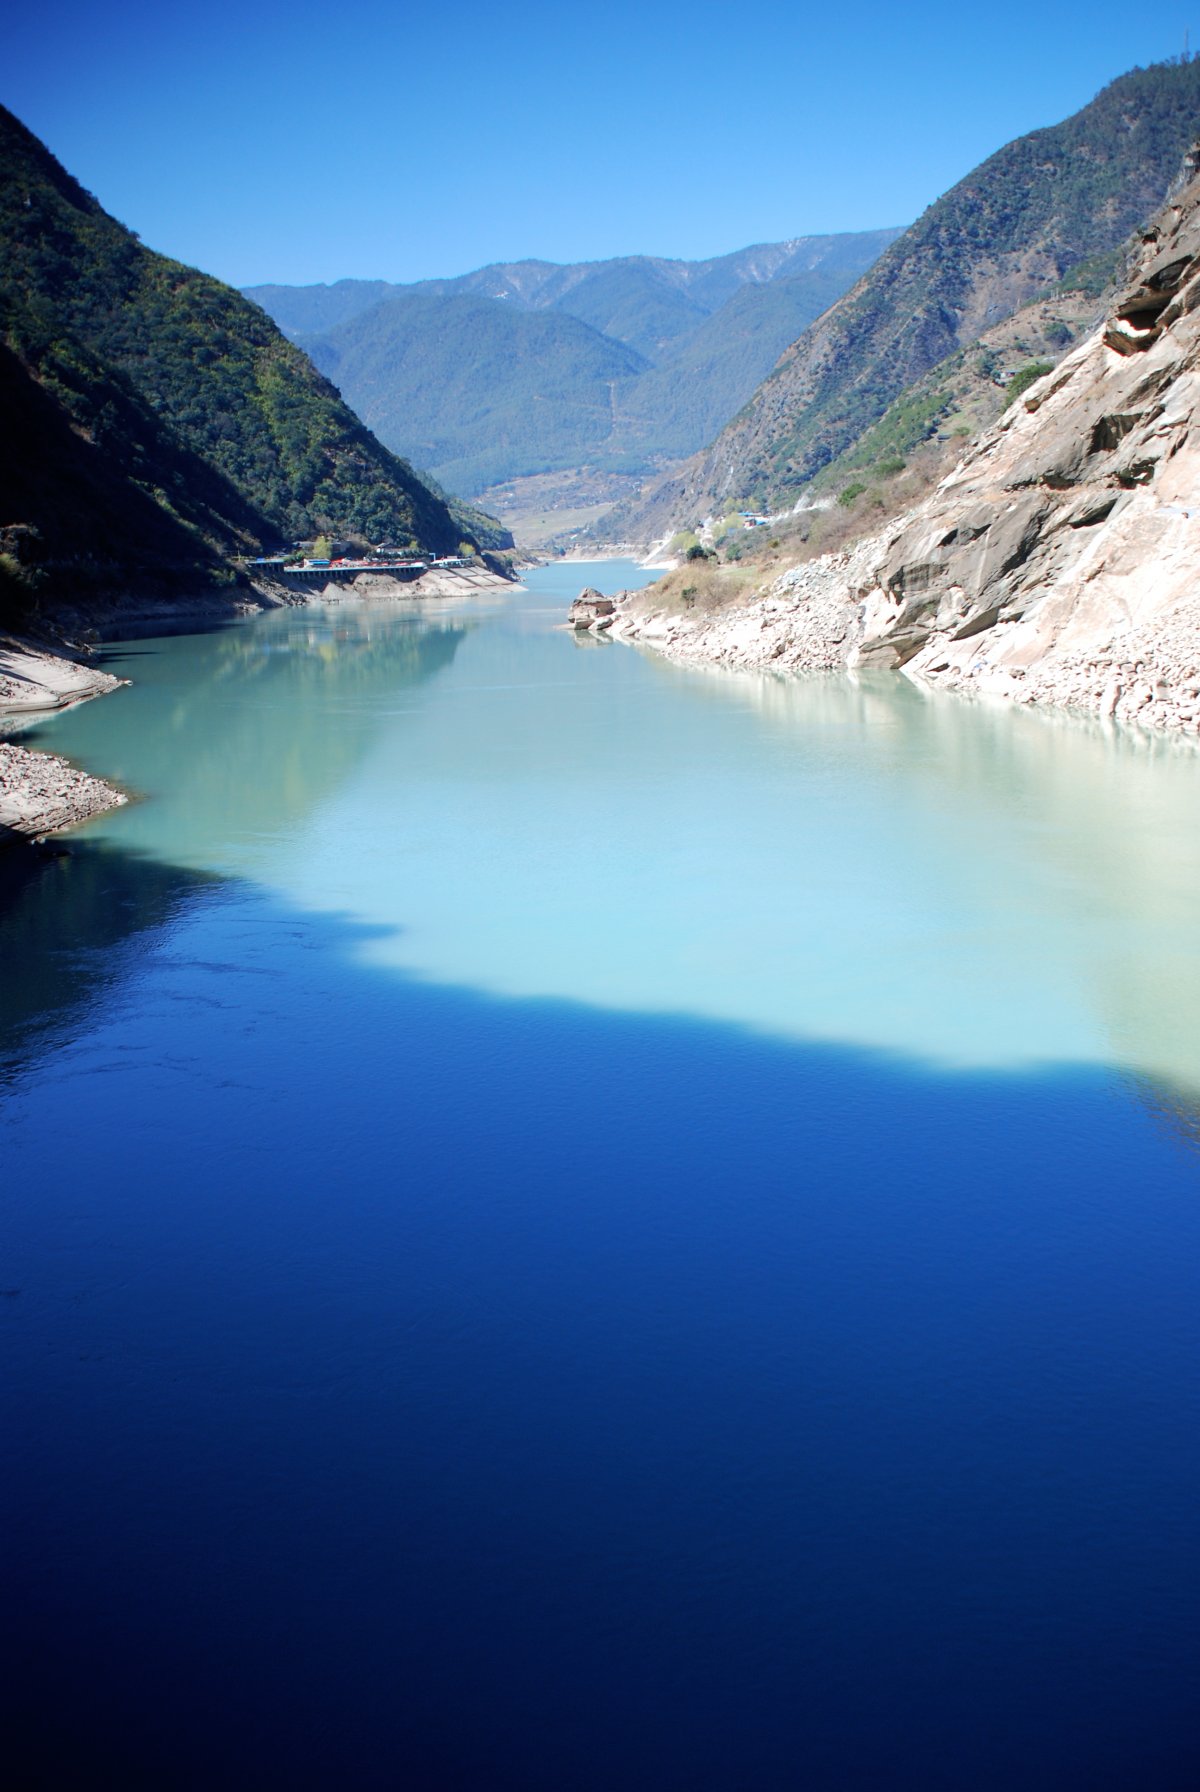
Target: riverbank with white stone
[(41, 793)]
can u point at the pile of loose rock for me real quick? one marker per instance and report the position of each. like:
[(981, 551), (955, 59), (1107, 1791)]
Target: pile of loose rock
[(39, 792)]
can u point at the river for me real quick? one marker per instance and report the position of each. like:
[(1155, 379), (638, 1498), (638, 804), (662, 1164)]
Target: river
[(573, 1222)]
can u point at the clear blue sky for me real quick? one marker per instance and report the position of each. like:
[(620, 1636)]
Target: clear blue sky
[(297, 142)]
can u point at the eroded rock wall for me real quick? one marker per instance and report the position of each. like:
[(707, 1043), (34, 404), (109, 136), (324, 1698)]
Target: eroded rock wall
[(1059, 562)]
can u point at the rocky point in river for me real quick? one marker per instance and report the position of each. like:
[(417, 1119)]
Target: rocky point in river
[(1058, 563), (591, 611), (41, 792)]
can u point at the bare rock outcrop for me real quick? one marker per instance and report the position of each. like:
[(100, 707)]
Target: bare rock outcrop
[(40, 792), (591, 611), (32, 679), (1060, 561)]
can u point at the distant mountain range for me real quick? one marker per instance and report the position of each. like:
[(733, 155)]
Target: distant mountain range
[(156, 422), (1051, 209), (527, 367)]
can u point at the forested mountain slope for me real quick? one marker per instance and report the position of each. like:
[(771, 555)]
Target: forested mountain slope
[(528, 367), (140, 383), (474, 389), (1014, 227)]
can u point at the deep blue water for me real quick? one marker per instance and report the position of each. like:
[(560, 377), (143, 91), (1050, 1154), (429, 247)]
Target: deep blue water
[(414, 1385)]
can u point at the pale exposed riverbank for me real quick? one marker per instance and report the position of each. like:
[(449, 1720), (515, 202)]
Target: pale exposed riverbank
[(33, 679), (1058, 564), (41, 793), (439, 581), (822, 617)]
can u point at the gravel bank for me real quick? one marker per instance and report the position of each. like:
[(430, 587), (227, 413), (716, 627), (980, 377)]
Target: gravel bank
[(40, 792)]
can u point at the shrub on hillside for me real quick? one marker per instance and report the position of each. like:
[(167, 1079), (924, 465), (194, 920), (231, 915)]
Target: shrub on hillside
[(1024, 378)]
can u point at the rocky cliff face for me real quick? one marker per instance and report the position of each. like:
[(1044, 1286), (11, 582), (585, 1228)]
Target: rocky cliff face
[(1013, 228), (1059, 562)]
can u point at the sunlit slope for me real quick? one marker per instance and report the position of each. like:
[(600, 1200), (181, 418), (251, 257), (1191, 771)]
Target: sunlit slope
[(1010, 229)]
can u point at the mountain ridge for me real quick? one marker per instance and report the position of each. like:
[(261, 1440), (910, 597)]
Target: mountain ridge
[(158, 385), (390, 348), (312, 308), (1058, 563), (1009, 229)]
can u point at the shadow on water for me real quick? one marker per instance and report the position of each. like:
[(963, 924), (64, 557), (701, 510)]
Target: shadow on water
[(116, 636), (236, 746), (405, 1387), (70, 929), (408, 1388)]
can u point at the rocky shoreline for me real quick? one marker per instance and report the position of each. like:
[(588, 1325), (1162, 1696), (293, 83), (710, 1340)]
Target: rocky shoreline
[(33, 680), (812, 618), (1058, 564), (441, 581), (41, 793)]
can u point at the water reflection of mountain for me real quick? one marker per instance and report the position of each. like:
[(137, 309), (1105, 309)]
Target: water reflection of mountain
[(1081, 840), (237, 736), (66, 927), (243, 732)]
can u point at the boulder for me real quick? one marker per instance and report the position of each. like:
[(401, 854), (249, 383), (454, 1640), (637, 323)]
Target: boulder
[(588, 609)]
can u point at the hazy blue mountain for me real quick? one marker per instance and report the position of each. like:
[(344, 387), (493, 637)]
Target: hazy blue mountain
[(479, 389), (692, 395), (548, 285), (303, 310), (528, 367)]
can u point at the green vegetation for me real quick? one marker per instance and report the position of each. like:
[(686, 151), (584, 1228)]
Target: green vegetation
[(476, 389), (847, 497), (1093, 274), (1024, 378), (173, 394), (683, 543), (612, 365), (883, 450)]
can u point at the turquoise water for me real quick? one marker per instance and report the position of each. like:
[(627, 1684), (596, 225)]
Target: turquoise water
[(573, 1221), (512, 809)]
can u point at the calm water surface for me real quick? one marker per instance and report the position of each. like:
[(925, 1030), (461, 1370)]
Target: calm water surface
[(572, 1223)]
